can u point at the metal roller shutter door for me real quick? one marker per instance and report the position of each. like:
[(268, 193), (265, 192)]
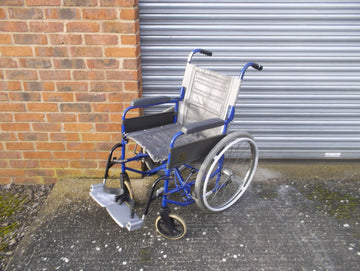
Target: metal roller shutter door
[(306, 102)]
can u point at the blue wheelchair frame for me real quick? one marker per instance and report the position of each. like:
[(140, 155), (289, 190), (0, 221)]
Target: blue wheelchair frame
[(182, 185)]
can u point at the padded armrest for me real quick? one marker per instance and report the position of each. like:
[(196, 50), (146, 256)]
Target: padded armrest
[(150, 101), (202, 125)]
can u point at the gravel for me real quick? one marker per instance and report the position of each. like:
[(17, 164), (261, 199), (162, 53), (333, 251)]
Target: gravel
[(19, 206)]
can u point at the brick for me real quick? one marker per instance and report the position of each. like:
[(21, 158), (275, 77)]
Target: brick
[(128, 3), (42, 107), (83, 164), (10, 85), (21, 75), (7, 62), (67, 155), (129, 14), (19, 146), (30, 39), (37, 155), (72, 86), (24, 163), (15, 126), (122, 75), (103, 63), (46, 26), (106, 86), (5, 180), (12, 107), (54, 163), (50, 146), (99, 14), (8, 172), (132, 64), (4, 97), (6, 117), (94, 117), (78, 146), (51, 51), (90, 97), (40, 172), (89, 75), (95, 136), (78, 127), (85, 51), (81, 3), (48, 127), (24, 96), (12, 2), (35, 63), (2, 13), (16, 51), (43, 2), (33, 136), (13, 26), (61, 117), (25, 13), (5, 39), (68, 172), (122, 96), (96, 155), (108, 127), (75, 107), (29, 117), (82, 27), (55, 75), (122, 52), (58, 97), (65, 39), (102, 39), (39, 86), (65, 137), (69, 64), (8, 136), (119, 27), (130, 39), (10, 155), (62, 13)]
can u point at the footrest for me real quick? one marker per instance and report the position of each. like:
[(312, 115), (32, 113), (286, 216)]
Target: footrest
[(121, 213), (122, 216)]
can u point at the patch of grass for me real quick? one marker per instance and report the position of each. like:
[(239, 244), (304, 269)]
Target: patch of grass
[(340, 205), (9, 204)]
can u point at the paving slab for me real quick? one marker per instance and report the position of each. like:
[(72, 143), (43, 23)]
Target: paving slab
[(276, 225)]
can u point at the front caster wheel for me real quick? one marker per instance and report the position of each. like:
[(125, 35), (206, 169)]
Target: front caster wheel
[(174, 228)]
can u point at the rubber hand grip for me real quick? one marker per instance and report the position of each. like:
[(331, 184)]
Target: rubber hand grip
[(206, 52), (257, 66)]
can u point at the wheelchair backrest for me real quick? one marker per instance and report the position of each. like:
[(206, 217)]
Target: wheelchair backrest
[(208, 94)]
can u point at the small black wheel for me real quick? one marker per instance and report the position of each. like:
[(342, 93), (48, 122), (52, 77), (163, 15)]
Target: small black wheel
[(175, 230)]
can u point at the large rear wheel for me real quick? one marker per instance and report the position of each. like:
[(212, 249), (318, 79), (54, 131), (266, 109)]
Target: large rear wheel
[(226, 172)]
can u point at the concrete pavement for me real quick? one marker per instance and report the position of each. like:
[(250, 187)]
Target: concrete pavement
[(277, 225)]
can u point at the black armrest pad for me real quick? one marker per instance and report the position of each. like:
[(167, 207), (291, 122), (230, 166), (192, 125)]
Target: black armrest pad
[(150, 101), (202, 125)]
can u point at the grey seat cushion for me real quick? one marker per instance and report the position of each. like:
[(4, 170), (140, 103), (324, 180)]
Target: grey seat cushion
[(156, 141)]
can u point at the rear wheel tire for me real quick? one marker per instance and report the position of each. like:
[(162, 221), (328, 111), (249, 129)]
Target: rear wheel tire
[(226, 172)]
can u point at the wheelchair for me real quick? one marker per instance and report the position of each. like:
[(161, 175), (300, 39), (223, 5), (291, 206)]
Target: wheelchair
[(188, 147)]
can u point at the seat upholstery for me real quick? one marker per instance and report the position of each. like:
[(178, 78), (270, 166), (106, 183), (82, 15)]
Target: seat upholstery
[(207, 95)]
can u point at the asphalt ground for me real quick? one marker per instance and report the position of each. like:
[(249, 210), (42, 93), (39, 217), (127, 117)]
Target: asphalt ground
[(277, 225)]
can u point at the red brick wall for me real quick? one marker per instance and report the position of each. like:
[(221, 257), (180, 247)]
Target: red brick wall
[(68, 68)]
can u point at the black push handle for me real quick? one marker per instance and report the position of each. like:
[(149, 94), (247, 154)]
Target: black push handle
[(257, 66), (206, 52)]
